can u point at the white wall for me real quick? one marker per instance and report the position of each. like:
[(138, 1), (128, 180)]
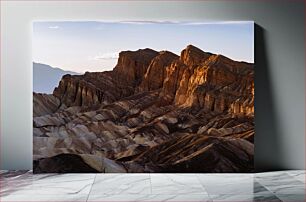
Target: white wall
[(280, 62)]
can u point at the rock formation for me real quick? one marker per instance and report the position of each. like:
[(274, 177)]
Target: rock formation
[(155, 112), (156, 71), (44, 104), (132, 66)]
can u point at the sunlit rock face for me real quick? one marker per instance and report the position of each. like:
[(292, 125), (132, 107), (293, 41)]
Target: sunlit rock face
[(155, 112), (132, 66), (156, 71)]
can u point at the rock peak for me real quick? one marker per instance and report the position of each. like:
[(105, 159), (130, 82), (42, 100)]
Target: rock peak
[(192, 55), (146, 50), (192, 47), (138, 52), (167, 53)]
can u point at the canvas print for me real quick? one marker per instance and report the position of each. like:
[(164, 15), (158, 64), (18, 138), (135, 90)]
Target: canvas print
[(141, 96)]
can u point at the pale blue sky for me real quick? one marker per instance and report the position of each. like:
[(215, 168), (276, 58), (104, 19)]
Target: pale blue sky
[(94, 46)]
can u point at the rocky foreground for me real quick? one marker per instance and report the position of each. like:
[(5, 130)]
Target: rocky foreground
[(154, 112)]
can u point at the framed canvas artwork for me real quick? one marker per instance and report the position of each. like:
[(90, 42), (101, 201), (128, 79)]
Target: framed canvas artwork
[(137, 96)]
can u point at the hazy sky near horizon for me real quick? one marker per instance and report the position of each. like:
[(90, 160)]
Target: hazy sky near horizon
[(94, 46)]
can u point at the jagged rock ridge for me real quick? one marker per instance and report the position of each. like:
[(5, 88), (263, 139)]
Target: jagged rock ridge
[(155, 112)]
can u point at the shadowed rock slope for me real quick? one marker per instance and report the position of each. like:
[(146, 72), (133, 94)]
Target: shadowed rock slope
[(155, 112)]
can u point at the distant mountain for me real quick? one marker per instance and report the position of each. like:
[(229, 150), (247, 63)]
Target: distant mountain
[(46, 78)]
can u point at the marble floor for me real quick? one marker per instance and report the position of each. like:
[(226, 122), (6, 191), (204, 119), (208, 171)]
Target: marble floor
[(269, 186)]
